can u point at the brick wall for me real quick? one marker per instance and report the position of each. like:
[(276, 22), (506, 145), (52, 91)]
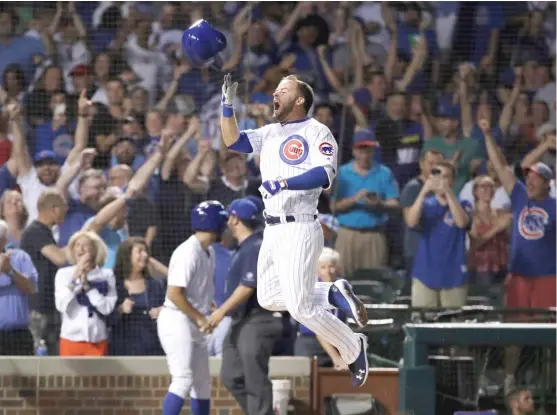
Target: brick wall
[(100, 394)]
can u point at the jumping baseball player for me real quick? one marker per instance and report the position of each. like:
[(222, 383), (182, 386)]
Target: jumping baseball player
[(182, 322), (298, 158)]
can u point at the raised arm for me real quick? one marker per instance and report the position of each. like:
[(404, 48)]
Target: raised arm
[(146, 171), (419, 55), (19, 163), (82, 130), (170, 159), (505, 119), (193, 175), (413, 214), (536, 154), (467, 119), (460, 216), (69, 174), (506, 177), (228, 124), (327, 70), (77, 22)]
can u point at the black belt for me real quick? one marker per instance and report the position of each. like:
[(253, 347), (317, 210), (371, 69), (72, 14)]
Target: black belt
[(275, 220)]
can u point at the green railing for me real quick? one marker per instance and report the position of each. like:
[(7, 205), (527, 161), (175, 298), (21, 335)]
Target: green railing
[(417, 380)]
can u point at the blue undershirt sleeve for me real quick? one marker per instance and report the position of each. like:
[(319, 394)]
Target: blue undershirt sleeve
[(242, 144), (311, 179)]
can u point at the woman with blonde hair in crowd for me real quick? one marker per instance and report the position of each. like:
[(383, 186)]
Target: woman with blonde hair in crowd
[(14, 212), (489, 236), (140, 299), (85, 294)]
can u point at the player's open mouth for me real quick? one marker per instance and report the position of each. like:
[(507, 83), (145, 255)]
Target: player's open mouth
[(276, 105)]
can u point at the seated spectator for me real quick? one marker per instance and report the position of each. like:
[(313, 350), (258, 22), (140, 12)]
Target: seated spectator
[(18, 280), (14, 212), (140, 299), (85, 294), (489, 236), (307, 343), (366, 191), (439, 276)]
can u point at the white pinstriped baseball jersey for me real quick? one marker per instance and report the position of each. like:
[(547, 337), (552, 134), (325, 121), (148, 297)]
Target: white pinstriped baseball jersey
[(193, 268), (288, 150)]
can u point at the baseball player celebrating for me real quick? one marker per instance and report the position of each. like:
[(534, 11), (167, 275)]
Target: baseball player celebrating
[(298, 158), (182, 322)]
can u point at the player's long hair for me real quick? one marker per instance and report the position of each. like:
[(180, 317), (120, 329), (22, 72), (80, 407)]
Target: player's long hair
[(123, 263)]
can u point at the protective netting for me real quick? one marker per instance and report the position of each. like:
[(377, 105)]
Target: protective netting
[(397, 75)]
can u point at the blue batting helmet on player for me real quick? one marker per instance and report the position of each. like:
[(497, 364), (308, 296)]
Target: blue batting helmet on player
[(209, 216), (202, 44)]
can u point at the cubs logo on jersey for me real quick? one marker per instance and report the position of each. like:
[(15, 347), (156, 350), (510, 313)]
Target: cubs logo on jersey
[(294, 150), (531, 223), (326, 149)]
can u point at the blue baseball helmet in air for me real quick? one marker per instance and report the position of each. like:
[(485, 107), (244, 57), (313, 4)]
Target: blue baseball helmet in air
[(209, 216), (202, 44)]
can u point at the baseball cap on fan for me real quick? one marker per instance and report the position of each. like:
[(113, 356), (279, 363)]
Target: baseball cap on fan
[(45, 156), (542, 169), (364, 138)]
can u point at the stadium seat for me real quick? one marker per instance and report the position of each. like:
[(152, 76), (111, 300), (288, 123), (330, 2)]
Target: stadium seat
[(386, 276)]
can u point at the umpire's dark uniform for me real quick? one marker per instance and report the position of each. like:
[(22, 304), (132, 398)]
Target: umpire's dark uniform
[(248, 346)]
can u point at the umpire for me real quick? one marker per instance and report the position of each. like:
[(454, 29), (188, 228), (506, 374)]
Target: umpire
[(254, 331)]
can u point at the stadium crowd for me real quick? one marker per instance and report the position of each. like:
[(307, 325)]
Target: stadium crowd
[(108, 138)]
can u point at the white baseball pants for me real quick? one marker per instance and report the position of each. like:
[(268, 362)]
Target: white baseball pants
[(286, 280), (186, 353)]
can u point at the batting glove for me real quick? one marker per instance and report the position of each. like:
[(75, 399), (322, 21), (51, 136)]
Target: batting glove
[(228, 95), (269, 188)]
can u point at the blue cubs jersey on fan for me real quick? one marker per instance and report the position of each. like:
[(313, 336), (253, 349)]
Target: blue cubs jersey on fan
[(440, 261), (532, 252)]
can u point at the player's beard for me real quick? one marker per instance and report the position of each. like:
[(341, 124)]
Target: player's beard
[(283, 111)]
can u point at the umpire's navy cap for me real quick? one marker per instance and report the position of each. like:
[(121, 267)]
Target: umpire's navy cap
[(202, 44)]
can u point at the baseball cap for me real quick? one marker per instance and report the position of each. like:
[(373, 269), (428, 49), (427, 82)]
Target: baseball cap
[(446, 109), (364, 138), (243, 209), (79, 70), (46, 155), (257, 202), (542, 169)]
